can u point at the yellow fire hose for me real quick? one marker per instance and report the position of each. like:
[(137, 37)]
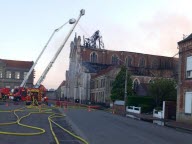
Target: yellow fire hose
[(38, 110)]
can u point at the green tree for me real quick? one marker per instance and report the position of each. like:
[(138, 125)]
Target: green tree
[(163, 89), (118, 88)]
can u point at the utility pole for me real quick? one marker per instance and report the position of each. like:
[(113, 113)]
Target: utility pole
[(125, 94)]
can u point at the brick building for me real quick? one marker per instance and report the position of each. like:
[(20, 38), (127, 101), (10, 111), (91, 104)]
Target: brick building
[(184, 94), (87, 63), (12, 73)]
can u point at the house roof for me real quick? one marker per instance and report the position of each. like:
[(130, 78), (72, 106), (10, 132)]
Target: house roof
[(63, 83), (186, 39), (104, 71), (17, 64), (94, 67)]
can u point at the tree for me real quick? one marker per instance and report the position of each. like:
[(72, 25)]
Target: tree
[(118, 87), (163, 89)]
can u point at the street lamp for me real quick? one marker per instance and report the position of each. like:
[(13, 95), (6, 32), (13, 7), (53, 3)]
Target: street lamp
[(71, 21)]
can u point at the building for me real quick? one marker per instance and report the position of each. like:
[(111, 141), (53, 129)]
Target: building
[(87, 62), (12, 73), (61, 91), (101, 85), (184, 93)]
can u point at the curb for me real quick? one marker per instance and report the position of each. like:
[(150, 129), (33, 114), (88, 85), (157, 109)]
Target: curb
[(178, 127)]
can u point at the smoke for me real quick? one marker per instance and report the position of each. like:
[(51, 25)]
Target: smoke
[(162, 33)]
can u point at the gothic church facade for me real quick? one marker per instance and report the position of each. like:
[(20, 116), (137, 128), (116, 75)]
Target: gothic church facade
[(89, 66)]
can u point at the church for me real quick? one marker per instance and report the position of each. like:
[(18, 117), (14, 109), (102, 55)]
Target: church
[(92, 69)]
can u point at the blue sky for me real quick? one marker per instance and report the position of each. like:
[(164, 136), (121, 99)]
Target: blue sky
[(144, 26)]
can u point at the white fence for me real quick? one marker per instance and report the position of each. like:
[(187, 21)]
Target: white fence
[(133, 109), (159, 114)]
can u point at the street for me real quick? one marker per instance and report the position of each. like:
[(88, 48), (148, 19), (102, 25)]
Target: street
[(95, 126), (100, 127), (39, 120)]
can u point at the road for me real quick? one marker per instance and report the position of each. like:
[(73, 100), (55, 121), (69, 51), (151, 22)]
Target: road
[(100, 127), (37, 120)]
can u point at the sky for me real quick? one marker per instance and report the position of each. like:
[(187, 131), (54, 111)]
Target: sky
[(143, 26)]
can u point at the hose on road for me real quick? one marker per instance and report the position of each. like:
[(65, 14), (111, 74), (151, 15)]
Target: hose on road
[(34, 108)]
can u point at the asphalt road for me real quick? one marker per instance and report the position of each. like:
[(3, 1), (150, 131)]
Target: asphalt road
[(38, 120), (100, 127)]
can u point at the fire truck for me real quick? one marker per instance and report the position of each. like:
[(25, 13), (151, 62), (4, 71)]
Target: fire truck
[(30, 94), (38, 92), (4, 93)]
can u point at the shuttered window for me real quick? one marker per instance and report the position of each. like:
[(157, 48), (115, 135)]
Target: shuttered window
[(17, 75), (188, 102), (189, 67), (8, 74), (1, 74)]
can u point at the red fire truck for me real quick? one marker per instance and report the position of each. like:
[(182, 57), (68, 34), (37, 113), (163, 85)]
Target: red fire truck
[(4, 93)]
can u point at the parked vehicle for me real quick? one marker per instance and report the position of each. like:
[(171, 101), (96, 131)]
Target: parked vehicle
[(4, 93)]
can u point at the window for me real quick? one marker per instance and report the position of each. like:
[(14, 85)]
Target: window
[(102, 83), (1, 74), (142, 62), (188, 102), (135, 85), (155, 64), (17, 75), (92, 84), (24, 74), (111, 83), (168, 64), (129, 61), (97, 84), (94, 57), (163, 64), (189, 67), (8, 74), (115, 59)]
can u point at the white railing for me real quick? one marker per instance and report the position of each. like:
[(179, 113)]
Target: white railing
[(133, 109), (158, 114)]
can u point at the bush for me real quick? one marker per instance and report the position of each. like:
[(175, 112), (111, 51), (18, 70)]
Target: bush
[(158, 108), (137, 100), (146, 108), (145, 102)]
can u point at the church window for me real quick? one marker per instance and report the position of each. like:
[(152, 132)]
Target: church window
[(135, 84), (128, 61), (94, 57), (155, 64), (142, 62), (115, 59)]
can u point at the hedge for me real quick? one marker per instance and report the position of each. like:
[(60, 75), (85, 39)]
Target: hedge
[(145, 102), (137, 100)]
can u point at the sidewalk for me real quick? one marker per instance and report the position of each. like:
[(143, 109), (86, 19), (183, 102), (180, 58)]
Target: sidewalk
[(179, 125), (168, 123)]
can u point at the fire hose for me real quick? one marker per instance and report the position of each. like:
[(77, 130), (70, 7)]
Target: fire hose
[(35, 109)]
